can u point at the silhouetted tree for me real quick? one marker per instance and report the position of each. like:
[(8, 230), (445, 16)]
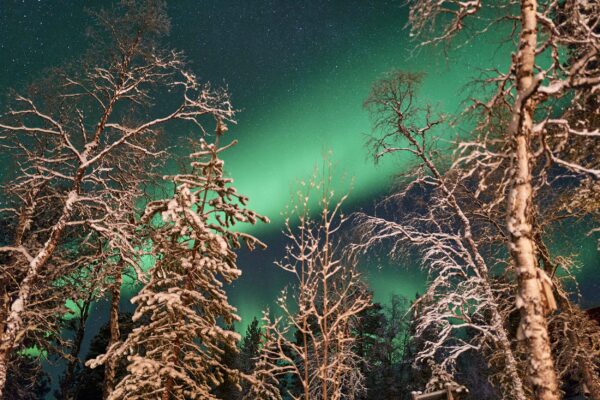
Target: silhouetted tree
[(26, 379), (230, 388), (89, 383), (250, 346)]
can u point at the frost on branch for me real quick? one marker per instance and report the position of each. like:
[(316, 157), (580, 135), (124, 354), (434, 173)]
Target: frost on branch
[(84, 143), (322, 311), (424, 16), (433, 215), (533, 157), (177, 351)]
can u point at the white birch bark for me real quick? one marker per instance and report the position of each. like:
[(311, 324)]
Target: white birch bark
[(519, 215)]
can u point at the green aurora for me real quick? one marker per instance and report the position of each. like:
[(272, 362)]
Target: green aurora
[(298, 74)]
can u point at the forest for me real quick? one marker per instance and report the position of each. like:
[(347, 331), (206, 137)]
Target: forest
[(123, 234)]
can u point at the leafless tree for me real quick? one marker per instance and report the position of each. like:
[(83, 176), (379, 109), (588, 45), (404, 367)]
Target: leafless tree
[(84, 149), (323, 309), (73, 275), (533, 102), (435, 221)]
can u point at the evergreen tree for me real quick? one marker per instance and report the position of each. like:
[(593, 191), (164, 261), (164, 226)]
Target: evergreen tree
[(231, 387), (250, 347), (26, 379), (89, 381), (179, 353)]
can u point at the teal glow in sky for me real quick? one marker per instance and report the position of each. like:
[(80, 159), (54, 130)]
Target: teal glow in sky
[(282, 141), (298, 72)]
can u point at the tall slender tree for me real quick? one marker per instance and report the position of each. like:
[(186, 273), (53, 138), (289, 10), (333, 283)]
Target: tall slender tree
[(526, 139), (329, 299), (179, 352), (431, 216)]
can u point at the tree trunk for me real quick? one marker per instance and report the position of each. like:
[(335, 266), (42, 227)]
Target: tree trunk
[(519, 218), (588, 373), (66, 388), (14, 320), (511, 369), (111, 365)]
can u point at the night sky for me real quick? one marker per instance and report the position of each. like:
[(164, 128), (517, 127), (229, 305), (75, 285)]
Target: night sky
[(298, 71)]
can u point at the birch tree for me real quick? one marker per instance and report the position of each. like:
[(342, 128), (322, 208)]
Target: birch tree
[(430, 215), (323, 310), (81, 147), (178, 353), (553, 74)]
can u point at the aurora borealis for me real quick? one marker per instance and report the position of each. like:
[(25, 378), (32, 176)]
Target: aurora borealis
[(298, 72)]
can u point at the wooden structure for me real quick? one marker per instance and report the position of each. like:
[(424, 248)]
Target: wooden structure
[(450, 392)]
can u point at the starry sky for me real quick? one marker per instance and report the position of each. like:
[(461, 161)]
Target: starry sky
[(298, 71)]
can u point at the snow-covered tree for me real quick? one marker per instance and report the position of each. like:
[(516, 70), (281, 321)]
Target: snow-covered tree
[(177, 351), (83, 144), (323, 311), (74, 276), (537, 129), (431, 215)]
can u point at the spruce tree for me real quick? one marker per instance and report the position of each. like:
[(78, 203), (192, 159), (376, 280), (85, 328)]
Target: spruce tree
[(179, 353)]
